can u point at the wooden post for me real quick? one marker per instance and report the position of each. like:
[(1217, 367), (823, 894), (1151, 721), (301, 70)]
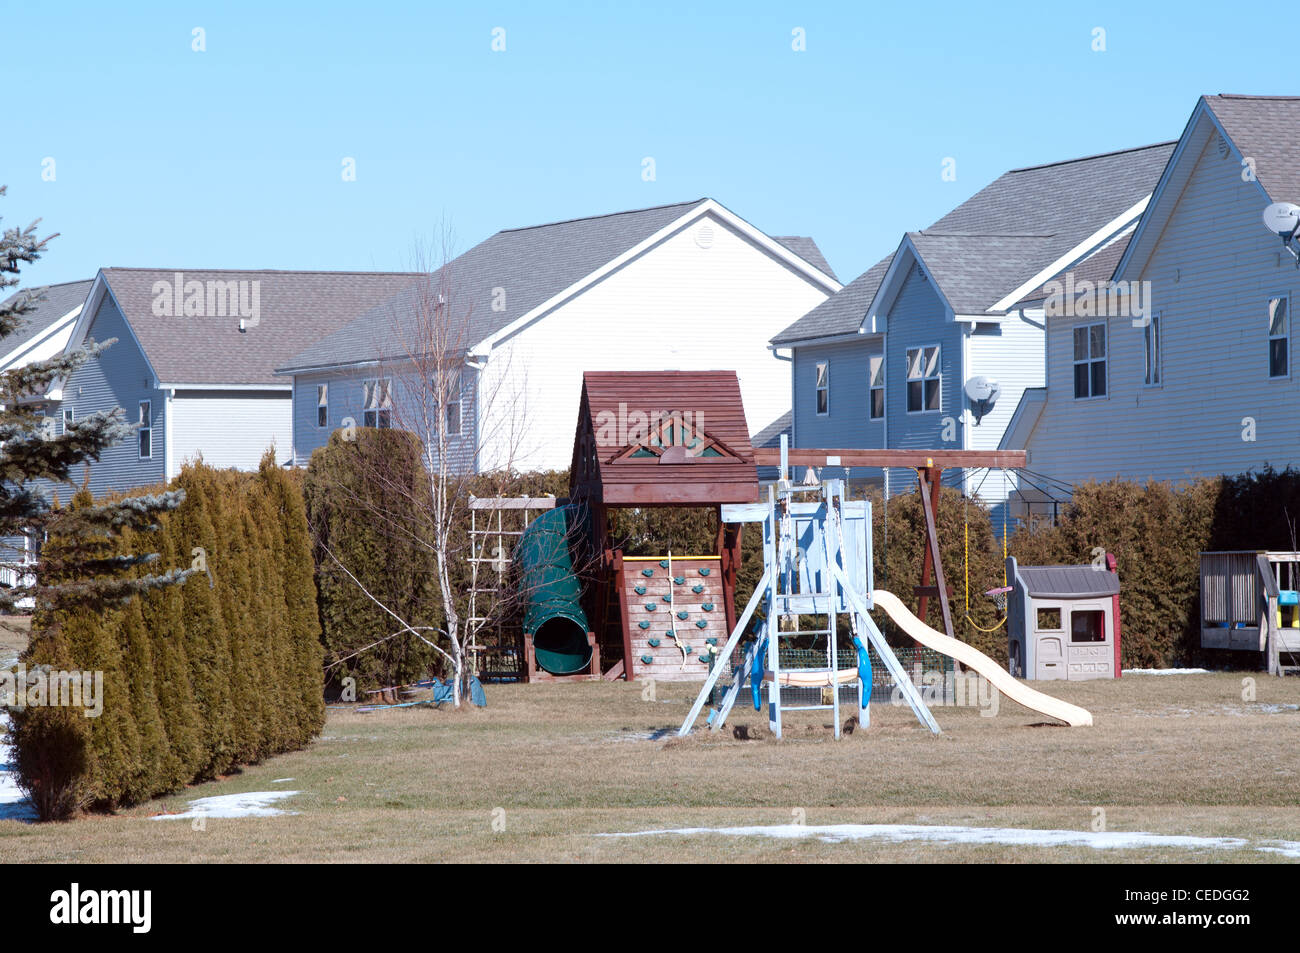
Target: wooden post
[(928, 478), (629, 667)]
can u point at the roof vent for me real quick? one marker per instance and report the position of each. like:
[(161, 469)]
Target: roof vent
[(704, 236), (1224, 149)]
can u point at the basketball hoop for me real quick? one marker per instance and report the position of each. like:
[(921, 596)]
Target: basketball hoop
[(999, 596)]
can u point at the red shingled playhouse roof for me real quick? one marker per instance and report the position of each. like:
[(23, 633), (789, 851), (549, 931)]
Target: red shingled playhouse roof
[(712, 401)]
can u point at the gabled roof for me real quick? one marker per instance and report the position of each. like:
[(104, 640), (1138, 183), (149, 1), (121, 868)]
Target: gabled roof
[(1004, 234), (1261, 128), (1097, 267), (510, 277), (295, 308), (806, 249), (608, 426), (57, 302), (842, 312), (1266, 128), (973, 271)]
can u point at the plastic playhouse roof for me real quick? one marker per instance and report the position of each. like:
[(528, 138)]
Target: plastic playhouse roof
[(1068, 582)]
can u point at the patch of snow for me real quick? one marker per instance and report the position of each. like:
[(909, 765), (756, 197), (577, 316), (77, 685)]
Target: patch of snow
[(1164, 671), (1010, 836), (248, 804), (281, 780), (14, 805)]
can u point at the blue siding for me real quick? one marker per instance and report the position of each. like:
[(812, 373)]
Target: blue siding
[(120, 377), (346, 399), (848, 423), (919, 318)]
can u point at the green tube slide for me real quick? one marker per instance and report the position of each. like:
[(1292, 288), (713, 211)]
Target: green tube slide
[(552, 593)]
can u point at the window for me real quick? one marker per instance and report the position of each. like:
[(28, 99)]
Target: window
[(1089, 361), (68, 418), (322, 405), (1279, 334), (452, 416), (877, 365), (1088, 625), (146, 430), (1151, 351), (379, 404), (823, 388), (924, 382), (1049, 620)]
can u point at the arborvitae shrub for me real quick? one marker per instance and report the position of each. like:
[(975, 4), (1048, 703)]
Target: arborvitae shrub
[(363, 500), (199, 677)]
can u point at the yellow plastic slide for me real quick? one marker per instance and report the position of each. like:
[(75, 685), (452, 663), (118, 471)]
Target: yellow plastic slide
[(999, 677)]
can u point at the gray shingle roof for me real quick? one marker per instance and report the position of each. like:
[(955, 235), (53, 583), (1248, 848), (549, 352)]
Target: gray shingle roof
[(1068, 582), (807, 249), (529, 265), (297, 308), (974, 271), (1099, 266), (1005, 233), (1267, 129), (770, 436), (56, 301), (842, 312)]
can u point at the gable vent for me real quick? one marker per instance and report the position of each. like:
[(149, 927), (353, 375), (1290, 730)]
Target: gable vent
[(704, 236), (1225, 150)]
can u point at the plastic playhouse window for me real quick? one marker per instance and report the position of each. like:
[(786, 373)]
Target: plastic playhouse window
[(1088, 625), (1049, 620)]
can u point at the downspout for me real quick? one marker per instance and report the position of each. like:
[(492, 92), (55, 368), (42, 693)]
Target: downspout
[(793, 388), (169, 470), (884, 421)]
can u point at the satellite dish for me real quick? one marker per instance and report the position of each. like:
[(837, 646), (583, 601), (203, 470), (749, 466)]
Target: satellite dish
[(983, 392), (1281, 218)]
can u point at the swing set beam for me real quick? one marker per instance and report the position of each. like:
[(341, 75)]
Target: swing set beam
[(929, 466)]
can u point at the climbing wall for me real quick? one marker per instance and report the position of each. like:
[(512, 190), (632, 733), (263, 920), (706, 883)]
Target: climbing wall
[(676, 613)]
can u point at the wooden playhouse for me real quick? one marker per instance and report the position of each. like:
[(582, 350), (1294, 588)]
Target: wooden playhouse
[(1249, 603), (654, 439)]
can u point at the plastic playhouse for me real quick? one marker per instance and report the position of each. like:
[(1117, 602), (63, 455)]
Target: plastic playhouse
[(1063, 621)]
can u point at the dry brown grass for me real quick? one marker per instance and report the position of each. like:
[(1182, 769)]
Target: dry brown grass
[(1168, 754)]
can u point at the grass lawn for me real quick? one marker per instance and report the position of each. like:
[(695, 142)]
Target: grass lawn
[(555, 765)]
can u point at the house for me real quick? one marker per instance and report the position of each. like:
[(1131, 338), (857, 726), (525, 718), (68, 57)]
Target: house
[(1170, 357), (194, 358), (521, 315), (46, 327), (44, 333), (883, 363)]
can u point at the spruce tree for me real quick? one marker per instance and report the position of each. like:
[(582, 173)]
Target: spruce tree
[(82, 572)]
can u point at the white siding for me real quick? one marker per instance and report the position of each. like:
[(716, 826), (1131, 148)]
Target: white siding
[(1012, 354), (1212, 272), (230, 428), (49, 343), (679, 306)]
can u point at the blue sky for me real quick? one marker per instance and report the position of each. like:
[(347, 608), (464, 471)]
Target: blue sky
[(232, 157)]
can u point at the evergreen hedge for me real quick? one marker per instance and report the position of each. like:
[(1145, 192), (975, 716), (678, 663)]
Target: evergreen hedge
[(1156, 532), (358, 490), (220, 670)]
